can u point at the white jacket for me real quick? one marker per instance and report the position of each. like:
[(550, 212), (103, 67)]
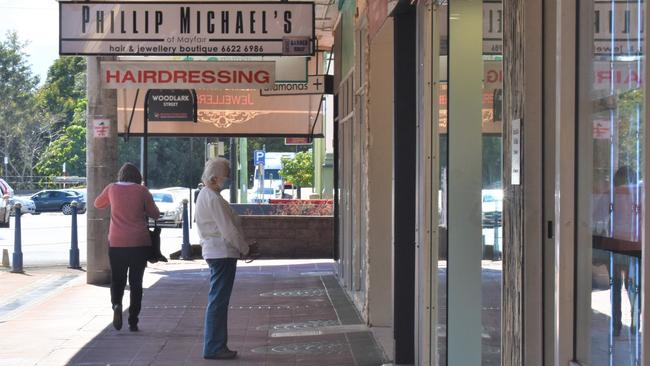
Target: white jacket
[(218, 226)]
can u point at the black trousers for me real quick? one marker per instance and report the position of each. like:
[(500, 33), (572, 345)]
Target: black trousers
[(132, 260)]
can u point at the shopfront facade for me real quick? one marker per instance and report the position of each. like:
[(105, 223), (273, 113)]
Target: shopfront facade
[(490, 179)]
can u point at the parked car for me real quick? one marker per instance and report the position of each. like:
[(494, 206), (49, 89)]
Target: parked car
[(171, 210), (262, 195), (492, 205), (4, 211), (27, 205), (58, 200), (5, 188), (78, 191)]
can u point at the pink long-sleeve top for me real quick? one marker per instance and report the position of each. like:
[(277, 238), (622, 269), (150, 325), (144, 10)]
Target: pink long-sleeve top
[(130, 203)]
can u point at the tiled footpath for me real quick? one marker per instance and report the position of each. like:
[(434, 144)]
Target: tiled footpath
[(280, 314)]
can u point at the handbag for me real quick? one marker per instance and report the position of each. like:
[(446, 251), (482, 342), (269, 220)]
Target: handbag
[(155, 255)]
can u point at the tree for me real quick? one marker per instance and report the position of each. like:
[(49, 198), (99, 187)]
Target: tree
[(271, 144), (68, 148), (299, 170), (166, 155), (22, 125), (62, 98), (64, 87)]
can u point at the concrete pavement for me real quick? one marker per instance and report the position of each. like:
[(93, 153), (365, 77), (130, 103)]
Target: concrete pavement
[(282, 312)]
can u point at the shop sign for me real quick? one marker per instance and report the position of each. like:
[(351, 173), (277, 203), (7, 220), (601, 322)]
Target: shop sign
[(377, 13), (297, 141), (186, 28), (238, 112), (618, 27), (619, 76), (166, 105), (316, 84), (296, 46), (492, 27), (191, 75)]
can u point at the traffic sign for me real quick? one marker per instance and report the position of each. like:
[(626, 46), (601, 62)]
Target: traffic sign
[(259, 157)]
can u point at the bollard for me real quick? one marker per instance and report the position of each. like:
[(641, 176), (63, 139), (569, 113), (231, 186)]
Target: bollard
[(496, 254), (17, 265), (74, 242), (186, 249), (5, 258)]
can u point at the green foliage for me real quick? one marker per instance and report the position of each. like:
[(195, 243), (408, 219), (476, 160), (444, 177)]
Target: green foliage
[(69, 148), (173, 161), (23, 125), (64, 87), (492, 166), (274, 144), (62, 98), (630, 127), (299, 170)]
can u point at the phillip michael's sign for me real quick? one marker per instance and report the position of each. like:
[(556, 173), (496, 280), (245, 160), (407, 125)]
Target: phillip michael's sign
[(186, 28)]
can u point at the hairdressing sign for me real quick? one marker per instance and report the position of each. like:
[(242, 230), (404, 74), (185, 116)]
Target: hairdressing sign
[(190, 75), (186, 28)]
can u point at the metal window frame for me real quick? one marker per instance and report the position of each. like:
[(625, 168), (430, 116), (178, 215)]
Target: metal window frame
[(427, 184), (565, 146), (570, 342)]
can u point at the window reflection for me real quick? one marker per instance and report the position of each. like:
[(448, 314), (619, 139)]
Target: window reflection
[(616, 126), (491, 188)]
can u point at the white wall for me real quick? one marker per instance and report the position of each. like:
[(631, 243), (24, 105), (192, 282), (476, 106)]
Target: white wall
[(380, 162)]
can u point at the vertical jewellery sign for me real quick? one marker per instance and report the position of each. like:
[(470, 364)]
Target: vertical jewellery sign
[(186, 28), (515, 148)]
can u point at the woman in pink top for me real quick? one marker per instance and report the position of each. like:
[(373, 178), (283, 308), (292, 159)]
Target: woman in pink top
[(128, 238)]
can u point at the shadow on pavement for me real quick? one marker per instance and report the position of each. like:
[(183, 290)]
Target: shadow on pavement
[(278, 315)]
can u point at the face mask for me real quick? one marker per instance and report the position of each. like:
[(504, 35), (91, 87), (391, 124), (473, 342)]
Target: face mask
[(226, 183)]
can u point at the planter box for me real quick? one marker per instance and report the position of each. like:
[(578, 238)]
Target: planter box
[(291, 237)]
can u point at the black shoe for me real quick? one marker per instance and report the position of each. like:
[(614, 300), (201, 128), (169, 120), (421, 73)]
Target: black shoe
[(133, 327), (117, 317), (223, 355)]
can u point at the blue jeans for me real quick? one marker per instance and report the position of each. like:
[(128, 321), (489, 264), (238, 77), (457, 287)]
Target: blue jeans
[(222, 278)]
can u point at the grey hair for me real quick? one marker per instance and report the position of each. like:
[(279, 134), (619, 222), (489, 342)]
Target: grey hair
[(218, 167)]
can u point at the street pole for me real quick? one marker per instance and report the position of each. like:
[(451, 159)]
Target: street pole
[(145, 142), (243, 172), (190, 179), (101, 163), (233, 170)]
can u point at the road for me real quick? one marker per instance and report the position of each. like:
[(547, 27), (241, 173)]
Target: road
[(46, 239)]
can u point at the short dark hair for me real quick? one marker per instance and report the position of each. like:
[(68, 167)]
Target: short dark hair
[(624, 175), (129, 173)]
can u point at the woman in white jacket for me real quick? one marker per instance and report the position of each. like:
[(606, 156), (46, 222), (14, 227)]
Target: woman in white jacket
[(222, 243)]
